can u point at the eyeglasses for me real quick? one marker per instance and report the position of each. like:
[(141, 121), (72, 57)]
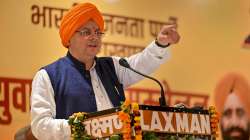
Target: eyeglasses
[(87, 33)]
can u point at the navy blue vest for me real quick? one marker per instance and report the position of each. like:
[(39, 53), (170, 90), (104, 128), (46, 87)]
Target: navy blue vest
[(72, 85)]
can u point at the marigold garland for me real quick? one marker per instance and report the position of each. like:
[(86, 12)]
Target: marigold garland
[(137, 121), (78, 131), (130, 117), (214, 120), (124, 116)]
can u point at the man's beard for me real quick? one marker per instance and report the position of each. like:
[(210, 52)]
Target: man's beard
[(244, 134)]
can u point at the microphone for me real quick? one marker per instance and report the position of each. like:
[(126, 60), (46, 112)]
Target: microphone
[(123, 62)]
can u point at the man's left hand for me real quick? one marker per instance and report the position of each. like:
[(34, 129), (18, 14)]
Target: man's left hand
[(168, 35)]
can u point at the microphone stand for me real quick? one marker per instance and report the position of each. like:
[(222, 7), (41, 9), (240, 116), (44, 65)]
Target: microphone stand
[(123, 62)]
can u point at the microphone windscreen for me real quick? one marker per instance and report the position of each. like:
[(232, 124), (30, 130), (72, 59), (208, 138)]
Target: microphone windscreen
[(124, 63)]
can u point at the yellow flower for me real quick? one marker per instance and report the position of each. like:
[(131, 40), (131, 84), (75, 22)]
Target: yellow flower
[(137, 119), (135, 106)]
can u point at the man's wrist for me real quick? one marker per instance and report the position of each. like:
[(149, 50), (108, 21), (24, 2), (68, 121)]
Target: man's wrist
[(160, 45)]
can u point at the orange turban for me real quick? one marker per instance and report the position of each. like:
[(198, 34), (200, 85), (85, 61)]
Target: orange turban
[(76, 17), (232, 83)]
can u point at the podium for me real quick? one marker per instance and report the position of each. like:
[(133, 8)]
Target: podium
[(143, 120)]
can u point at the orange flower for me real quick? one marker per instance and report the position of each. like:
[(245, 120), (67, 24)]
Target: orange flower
[(215, 129), (123, 116), (126, 136), (138, 137), (126, 103)]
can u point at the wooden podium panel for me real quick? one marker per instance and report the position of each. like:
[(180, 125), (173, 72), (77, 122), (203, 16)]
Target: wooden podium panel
[(153, 118)]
